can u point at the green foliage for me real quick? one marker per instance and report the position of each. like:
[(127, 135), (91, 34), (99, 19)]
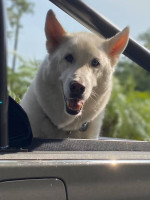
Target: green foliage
[(14, 96), (127, 70), (19, 81), (127, 114)]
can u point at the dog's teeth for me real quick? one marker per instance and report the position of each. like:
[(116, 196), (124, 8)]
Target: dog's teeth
[(74, 105)]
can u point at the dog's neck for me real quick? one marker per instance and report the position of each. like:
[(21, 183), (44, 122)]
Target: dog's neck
[(83, 127)]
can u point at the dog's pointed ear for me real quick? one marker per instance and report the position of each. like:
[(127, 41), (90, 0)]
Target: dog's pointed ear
[(54, 31), (116, 45)]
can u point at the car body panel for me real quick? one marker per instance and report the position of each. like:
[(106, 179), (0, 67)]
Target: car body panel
[(90, 175)]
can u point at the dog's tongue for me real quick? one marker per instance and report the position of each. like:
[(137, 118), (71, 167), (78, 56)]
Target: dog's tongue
[(75, 104)]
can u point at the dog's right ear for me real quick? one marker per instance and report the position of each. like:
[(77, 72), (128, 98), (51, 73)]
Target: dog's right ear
[(54, 32)]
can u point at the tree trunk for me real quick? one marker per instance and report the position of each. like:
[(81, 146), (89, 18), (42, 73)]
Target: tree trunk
[(15, 47)]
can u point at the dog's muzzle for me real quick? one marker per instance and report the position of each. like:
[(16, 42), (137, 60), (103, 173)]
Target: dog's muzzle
[(75, 102)]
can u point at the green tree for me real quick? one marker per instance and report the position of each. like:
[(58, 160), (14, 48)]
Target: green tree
[(127, 70), (21, 78), (16, 9), (127, 114)]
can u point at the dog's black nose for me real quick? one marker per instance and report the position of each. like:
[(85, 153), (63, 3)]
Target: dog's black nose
[(76, 89)]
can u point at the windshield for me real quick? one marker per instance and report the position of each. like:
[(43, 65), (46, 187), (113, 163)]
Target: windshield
[(127, 113)]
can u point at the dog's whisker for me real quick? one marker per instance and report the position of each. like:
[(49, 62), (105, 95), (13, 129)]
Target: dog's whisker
[(95, 103), (93, 99), (94, 94)]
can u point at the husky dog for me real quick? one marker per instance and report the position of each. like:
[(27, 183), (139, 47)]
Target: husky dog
[(73, 85)]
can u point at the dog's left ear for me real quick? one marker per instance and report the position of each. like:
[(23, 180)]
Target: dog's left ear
[(54, 32), (116, 45)]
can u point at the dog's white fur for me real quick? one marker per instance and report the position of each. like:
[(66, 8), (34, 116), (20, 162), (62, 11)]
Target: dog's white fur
[(44, 101)]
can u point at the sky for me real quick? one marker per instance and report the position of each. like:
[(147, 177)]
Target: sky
[(134, 13)]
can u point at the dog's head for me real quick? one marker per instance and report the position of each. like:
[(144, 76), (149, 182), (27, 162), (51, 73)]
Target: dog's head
[(84, 61)]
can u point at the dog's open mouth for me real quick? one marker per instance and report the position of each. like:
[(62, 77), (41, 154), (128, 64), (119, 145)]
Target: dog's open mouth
[(73, 105)]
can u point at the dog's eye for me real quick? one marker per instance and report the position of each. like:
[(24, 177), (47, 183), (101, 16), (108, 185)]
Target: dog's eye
[(69, 58), (95, 62)]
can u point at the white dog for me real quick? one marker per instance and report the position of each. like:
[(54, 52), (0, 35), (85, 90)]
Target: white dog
[(73, 85)]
